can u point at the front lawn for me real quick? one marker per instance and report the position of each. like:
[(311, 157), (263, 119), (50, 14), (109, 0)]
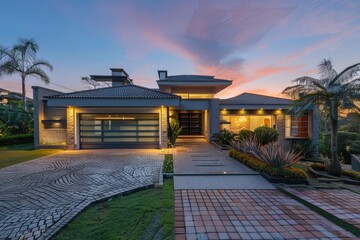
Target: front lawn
[(11, 155), (148, 214)]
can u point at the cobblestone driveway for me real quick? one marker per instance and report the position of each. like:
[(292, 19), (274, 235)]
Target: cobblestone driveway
[(37, 198)]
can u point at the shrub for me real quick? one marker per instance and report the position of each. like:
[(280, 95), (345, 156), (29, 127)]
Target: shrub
[(168, 164), (277, 156), (257, 165), (249, 145), (304, 146), (245, 134), (345, 139), (352, 174), (15, 121), (265, 135), (323, 148), (17, 139), (174, 129), (225, 136), (318, 166)]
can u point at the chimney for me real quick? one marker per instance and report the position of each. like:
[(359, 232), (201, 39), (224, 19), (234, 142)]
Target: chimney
[(119, 72), (120, 77), (162, 74)]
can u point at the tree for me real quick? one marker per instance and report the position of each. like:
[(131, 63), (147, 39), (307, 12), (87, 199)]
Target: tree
[(21, 59), (333, 91), (93, 84)]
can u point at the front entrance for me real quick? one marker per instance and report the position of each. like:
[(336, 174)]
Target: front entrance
[(191, 122)]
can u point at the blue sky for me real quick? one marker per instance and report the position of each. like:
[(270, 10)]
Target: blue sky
[(260, 45)]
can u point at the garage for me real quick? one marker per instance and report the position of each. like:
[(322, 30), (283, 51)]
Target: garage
[(119, 130)]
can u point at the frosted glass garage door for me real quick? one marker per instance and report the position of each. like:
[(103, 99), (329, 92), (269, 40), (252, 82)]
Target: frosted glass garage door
[(119, 130)]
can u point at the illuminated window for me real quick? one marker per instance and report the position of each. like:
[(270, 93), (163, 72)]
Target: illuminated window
[(235, 123), (296, 127), (195, 95)]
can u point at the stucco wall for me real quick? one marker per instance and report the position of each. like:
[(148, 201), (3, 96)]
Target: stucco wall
[(54, 137), (214, 115)]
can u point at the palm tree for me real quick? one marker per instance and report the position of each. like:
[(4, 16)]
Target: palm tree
[(21, 59), (333, 91)]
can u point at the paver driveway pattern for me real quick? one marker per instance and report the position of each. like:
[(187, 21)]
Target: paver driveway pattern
[(248, 214), (341, 203), (37, 198)]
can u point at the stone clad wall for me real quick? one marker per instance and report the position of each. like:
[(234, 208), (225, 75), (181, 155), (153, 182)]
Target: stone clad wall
[(163, 127), (280, 127), (70, 128)]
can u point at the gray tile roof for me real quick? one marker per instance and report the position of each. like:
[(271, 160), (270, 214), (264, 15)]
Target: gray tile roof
[(255, 99), (120, 92)]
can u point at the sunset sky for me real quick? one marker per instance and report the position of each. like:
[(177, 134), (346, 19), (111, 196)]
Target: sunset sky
[(260, 45)]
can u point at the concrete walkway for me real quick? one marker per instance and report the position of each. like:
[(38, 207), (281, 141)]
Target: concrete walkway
[(40, 196), (200, 165)]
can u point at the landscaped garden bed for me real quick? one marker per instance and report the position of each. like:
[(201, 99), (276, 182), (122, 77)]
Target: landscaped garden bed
[(319, 170), (258, 150), (289, 175)]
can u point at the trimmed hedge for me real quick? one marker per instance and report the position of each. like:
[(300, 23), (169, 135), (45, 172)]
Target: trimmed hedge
[(318, 166), (265, 135), (245, 134), (17, 139), (350, 173), (257, 165)]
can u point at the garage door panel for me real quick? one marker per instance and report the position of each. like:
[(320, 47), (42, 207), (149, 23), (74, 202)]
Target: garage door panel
[(119, 130)]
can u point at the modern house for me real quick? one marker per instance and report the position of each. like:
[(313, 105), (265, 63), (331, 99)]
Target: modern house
[(129, 116)]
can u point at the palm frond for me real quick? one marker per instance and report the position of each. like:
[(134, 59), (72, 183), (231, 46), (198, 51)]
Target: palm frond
[(38, 73), (327, 73), (345, 71), (41, 63)]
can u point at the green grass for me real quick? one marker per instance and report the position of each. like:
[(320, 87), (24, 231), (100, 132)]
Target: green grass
[(147, 214), (11, 155)]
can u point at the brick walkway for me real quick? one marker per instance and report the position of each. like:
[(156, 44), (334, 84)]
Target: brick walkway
[(341, 203), (39, 197), (248, 214)]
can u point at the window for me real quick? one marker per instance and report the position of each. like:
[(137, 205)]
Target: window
[(296, 127), (195, 95), (235, 123)]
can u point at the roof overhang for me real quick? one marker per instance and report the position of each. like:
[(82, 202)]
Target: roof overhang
[(216, 86), (254, 106), (105, 102)]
